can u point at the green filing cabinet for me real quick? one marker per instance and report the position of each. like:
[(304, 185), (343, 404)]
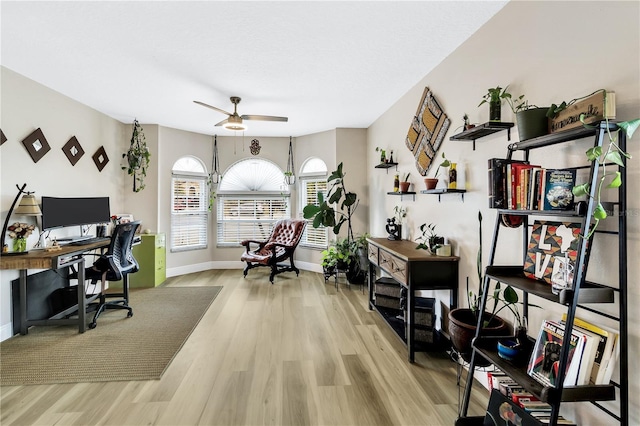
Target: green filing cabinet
[(151, 255)]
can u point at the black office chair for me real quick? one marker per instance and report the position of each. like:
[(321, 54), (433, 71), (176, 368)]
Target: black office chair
[(115, 265)]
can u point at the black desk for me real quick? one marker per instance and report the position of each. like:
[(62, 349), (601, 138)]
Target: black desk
[(40, 259)]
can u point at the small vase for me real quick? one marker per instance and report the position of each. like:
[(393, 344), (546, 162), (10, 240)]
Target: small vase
[(19, 245), (494, 111)]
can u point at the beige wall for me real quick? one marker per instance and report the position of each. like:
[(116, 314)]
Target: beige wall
[(27, 106), (550, 51)]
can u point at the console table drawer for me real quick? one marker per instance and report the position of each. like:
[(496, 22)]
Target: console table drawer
[(373, 254), (394, 265)]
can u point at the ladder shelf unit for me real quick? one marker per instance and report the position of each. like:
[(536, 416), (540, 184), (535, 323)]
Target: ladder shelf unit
[(582, 292)]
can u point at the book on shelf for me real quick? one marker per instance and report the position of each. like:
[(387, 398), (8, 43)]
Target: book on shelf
[(606, 353), (552, 252), (545, 358), (517, 176), (497, 185), (503, 411), (556, 189)]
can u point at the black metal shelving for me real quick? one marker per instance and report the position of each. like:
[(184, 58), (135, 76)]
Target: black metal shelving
[(402, 194), (583, 292), (483, 130), (387, 166), (441, 191)]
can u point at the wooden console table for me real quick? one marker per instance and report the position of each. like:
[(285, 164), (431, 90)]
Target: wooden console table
[(414, 270), (40, 259)]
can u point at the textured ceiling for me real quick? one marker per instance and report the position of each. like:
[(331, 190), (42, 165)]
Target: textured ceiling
[(323, 64)]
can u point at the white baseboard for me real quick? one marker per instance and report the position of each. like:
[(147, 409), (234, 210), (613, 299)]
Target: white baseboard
[(6, 331)]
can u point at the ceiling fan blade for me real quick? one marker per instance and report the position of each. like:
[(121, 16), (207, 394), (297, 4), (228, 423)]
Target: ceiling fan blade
[(222, 122), (264, 118), (212, 107)]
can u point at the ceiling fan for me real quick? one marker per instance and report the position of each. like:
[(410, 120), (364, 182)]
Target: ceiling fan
[(234, 122)]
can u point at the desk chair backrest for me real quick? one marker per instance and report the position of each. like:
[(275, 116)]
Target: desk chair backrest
[(119, 253)]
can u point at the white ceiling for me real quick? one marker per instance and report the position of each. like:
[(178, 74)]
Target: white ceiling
[(323, 64)]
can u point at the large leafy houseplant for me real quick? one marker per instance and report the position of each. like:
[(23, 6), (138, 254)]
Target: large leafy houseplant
[(333, 211), (137, 157)]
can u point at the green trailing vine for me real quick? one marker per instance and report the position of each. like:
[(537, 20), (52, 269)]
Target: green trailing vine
[(612, 154), (137, 157)]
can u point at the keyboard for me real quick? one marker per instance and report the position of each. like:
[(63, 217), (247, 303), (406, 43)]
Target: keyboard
[(89, 241)]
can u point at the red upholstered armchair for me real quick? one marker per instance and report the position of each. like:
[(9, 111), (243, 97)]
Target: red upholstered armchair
[(282, 242)]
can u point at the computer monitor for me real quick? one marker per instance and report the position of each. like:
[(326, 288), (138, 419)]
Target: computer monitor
[(59, 212)]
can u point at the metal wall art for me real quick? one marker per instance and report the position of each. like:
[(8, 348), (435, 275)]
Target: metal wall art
[(100, 158), (255, 147), (73, 150), (427, 131), (36, 145)]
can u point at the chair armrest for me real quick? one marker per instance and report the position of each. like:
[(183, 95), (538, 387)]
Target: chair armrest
[(247, 244), (274, 245)]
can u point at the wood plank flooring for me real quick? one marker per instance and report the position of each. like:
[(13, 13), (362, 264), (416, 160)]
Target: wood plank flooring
[(298, 352)]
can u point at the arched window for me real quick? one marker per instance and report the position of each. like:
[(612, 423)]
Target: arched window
[(189, 204), (252, 196), (313, 179)]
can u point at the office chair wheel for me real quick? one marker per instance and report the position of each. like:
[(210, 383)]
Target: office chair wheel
[(92, 325), (129, 314)]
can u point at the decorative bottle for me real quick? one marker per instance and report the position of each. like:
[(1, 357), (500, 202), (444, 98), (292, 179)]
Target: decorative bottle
[(396, 183), (391, 156), (453, 176)]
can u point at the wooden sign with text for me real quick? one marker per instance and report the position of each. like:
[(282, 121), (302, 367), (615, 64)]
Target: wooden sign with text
[(596, 107)]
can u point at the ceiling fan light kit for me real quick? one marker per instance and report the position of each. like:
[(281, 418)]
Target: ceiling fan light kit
[(235, 121)]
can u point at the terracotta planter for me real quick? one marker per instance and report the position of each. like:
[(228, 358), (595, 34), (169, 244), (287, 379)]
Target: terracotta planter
[(462, 330), (431, 183), (404, 186)]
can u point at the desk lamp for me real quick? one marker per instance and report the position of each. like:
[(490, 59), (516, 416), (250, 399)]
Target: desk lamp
[(28, 207)]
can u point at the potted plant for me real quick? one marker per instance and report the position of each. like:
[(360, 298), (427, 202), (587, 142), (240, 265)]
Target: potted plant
[(464, 321), (324, 213), (383, 155), (429, 240), (494, 98), (405, 184), (137, 157), (467, 124), (532, 120), (431, 183)]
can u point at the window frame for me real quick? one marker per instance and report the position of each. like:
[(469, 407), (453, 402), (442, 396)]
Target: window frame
[(189, 218)]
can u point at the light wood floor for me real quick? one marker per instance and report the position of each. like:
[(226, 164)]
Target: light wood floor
[(298, 352)]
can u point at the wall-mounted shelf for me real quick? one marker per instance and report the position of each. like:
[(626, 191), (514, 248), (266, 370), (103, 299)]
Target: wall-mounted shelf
[(483, 130), (440, 191), (402, 194), (387, 166)]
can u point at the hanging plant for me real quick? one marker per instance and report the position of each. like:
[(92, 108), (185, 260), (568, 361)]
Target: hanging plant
[(137, 157)]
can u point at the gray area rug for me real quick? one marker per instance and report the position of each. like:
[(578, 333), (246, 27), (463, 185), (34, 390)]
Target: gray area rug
[(119, 348)]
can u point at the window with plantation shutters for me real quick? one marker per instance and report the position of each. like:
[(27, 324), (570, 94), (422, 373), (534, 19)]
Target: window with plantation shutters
[(189, 205), (313, 180), (252, 196)]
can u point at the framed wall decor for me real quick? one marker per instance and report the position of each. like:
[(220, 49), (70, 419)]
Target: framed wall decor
[(36, 144), (427, 130), (101, 158), (3, 138), (73, 150)]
